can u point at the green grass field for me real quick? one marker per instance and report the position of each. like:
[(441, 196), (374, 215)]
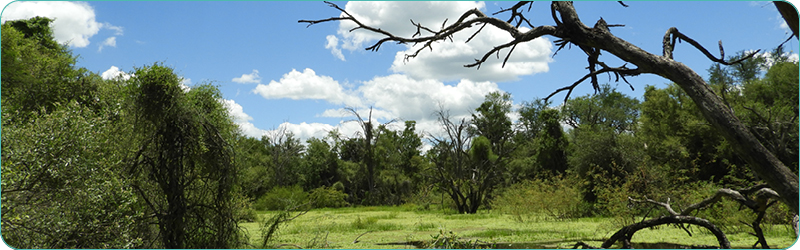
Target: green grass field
[(393, 227)]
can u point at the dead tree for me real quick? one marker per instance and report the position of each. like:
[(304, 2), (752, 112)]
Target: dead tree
[(762, 200), (570, 30)]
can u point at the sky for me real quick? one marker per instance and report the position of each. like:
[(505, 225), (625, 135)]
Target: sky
[(276, 73)]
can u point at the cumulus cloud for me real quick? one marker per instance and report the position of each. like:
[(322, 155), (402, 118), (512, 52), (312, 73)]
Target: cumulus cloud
[(333, 45), (412, 99), (111, 42), (242, 119), (113, 73), (303, 131), (395, 96), (248, 78), (393, 16), (445, 62), (307, 85), (74, 21)]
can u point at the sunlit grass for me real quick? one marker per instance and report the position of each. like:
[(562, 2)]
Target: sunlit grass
[(371, 226)]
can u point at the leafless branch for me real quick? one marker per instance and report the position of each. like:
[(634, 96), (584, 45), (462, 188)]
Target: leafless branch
[(673, 34), (620, 72), (515, 14), (626, 233)]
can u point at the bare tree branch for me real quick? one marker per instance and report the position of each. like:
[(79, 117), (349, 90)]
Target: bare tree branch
[(626, 233), (673, 34)]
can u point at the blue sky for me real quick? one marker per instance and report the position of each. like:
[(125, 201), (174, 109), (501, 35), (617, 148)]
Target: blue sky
[(275, 72)]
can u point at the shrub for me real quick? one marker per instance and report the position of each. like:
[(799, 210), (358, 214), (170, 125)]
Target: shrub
[(243, 209), (558, 198), (328, 197), (282, 198)]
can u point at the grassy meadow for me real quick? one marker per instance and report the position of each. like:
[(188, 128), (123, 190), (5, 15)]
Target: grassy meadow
[(403, 227)]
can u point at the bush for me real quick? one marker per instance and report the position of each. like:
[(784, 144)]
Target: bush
[(282, 198), (558, 198), (243, 209), (328, 197)]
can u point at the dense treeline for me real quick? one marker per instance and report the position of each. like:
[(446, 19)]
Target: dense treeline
[(143, 162)]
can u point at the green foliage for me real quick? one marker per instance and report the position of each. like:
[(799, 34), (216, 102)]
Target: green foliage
[(607, 110), (62, 153), (541, 148), (320, 165), (603, 143), (38, 73), (47, 201), (540, 199), (328, 197), (254, 175), (183, 168), (492, 122), (282, 198)]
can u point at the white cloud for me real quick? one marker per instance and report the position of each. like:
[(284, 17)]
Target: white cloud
[(242, 119), (394, 16), (185, 82), (447, 59), (412, 99), (114, 72), (333, 45), (75, 21), (307, 85), (304, 131), (248, 78), (445, 62), (236, 111), (117, 30), (111, 42)]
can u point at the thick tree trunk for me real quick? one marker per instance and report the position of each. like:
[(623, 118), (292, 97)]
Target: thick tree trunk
[(789, 14)]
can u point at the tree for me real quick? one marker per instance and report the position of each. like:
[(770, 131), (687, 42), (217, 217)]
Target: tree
[(399, 164), (320, 165), (464, 167), (770, 108), (183, 166), (602, 142), (552, 143), (371, 134), (492, 121), (570, 30), (540, 149), (606, 110), (252, 160), (62, 153), (38, 72), (285, 152), (678, 137)]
